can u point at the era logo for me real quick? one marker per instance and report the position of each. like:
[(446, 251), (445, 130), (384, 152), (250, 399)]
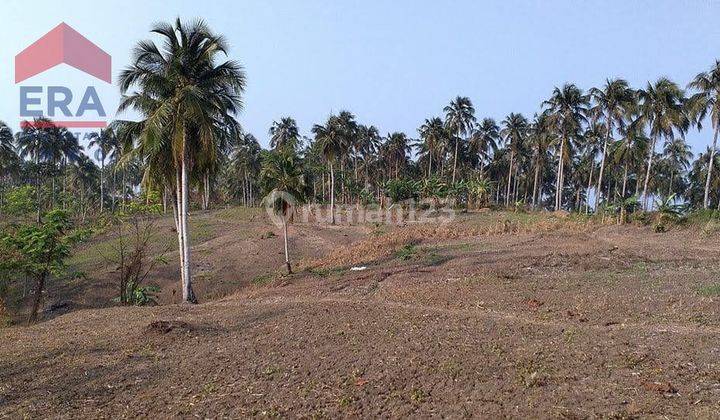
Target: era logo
[(59, 99), (63, 45)]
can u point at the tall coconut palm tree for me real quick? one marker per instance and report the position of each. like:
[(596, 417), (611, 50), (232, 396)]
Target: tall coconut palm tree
[(662, 108), (540, 139), (514, 131), (369, 141), (285, 134), (459, 119), (106, 142), (83, 177), (612, 103), (283, 177), (707, 102), (595, 140), (6, 139), (631, 151), (484, 140), (568, 108), (397, 148), (677, 154), (8, 157), (183, 93), (35, 142), (332, 144), (432, 135)]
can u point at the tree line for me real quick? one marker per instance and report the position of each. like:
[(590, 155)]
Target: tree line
[(604, 149)]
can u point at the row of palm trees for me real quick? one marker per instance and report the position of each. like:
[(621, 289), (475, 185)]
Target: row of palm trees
[(51, 159), (582, 151)]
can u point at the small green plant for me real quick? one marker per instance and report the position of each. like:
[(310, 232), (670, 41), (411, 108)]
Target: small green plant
[(262, 279), (143, 295), (407, 252), (401, 189), (417, 395), (710, 290)]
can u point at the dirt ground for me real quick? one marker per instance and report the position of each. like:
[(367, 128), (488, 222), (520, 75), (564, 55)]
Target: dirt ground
[(491, 315)]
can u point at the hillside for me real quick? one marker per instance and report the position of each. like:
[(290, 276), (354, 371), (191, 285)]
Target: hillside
[(493, 314)]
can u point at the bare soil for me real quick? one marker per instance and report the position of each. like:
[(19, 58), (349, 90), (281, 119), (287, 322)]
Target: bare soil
[(491, 315)]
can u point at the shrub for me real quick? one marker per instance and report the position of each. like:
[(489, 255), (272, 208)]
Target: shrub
[(20, 201)]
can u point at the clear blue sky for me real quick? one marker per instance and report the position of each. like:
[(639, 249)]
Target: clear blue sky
[(395, 63)]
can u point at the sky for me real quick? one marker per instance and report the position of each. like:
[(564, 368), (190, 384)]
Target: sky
[(392, 63)]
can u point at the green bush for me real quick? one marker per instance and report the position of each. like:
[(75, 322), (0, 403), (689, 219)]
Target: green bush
[(20, 201)]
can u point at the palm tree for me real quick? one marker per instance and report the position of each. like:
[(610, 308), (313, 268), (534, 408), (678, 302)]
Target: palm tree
[(8, 157), (106, 142), (183, 95), (369, 141), (433, 134), (514, 130), (630, 151), (484, 139), (459, 119), (568, 108), (396, 150), (662, 108), (35, 142), (6, 140), (332, 143), (83, 175), (285, 134), (707, 101), (283, 176), (612, 103), (244, 163), (594, 137), (541, 137), (677, 155)]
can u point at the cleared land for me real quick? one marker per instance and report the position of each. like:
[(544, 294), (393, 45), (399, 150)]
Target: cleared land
[(493, 314)]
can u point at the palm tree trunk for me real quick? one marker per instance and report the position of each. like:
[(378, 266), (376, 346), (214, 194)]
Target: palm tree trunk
[(672, 175), (651, 154), (332, 194), (559, 180), (124, 181), (188, 294), (165, 194), (177, 210), (625, 177), (113, 189), (535, 184), (706, 199), (598, 192), (287, 253), (102, 182), (509, 182), (457, 143), (587, 193), (64, 187), (37, 184), (429, 165)]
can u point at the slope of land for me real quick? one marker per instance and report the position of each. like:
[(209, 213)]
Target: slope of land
[(492, 314)]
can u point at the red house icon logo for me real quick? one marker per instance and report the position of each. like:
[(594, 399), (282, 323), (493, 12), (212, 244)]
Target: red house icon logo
[(61, 45)]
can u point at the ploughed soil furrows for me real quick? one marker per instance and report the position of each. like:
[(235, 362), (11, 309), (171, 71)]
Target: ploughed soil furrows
[(492, 314)]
